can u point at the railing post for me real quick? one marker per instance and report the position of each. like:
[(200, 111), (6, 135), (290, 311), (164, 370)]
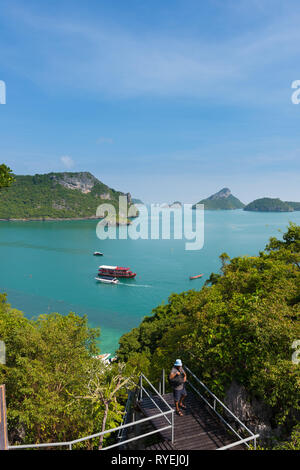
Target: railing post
[(215, 404), (164, 384), (70, 446), (255, 443), (141, 387), (172, 429)]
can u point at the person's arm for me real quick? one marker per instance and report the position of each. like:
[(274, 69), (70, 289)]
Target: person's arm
[(174, 374), (184, 378)]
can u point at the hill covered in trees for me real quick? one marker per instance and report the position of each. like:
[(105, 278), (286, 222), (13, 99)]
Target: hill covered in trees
[(267, 204), (238, 330), (57, 196), (222, 200)]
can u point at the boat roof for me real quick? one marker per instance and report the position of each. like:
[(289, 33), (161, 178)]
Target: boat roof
[(107, 267), (103, 266)]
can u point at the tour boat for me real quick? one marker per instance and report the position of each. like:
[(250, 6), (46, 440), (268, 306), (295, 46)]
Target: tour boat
[(107, 280), (196, 277), (98, 253), (115, 271)]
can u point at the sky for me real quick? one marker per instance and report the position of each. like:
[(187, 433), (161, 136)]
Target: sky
[(168, 100)]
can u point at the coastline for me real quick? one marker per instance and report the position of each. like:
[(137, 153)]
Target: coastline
[(52, 219)]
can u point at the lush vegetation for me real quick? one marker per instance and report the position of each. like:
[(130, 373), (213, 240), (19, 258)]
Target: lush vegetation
[(56, 390), (222, 200), (294, 205), (6, 177), (267, 204), (240, 326), (55, 195)]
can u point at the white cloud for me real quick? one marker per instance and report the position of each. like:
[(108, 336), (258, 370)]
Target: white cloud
[(67, 161)]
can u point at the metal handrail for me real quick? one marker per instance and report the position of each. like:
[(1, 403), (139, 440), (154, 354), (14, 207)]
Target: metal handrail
[(126, 412), (220, 416), (216, 399), (142, 376), (162, 398), (242, 441), (123, 426), (219, 401), (154, 402)]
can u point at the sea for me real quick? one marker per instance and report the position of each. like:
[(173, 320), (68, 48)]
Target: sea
[(49, 266)]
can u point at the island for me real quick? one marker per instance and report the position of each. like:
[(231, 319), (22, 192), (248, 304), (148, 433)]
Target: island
[(175, 205), (294, 205), (222, 200), (268, 204), (59, 196)]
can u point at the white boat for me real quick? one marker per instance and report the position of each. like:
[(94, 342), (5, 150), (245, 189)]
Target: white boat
[(98, 253), (107, 280)]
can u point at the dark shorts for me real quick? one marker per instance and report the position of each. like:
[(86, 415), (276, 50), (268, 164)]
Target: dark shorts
[(179, 393)]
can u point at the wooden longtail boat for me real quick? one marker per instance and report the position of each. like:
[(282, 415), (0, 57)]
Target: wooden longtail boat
[(196, 277)]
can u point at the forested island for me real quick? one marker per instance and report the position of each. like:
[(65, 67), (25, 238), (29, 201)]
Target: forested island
[(236, 334), (267, 204), (57, 196)]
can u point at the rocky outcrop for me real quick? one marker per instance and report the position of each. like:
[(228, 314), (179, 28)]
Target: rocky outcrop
[(255, 414), (223, 194), (83, 181), (105, 196)]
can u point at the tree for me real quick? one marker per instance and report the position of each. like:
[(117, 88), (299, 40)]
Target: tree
[(47, 360), (103, 388), (6, 178)]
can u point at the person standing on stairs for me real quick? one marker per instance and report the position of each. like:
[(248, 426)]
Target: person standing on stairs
[(177, 379)]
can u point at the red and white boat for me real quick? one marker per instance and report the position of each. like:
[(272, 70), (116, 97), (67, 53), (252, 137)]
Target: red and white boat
[(115, 271)]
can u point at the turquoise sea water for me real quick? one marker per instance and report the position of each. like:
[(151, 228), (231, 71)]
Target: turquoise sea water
[(49, 266)]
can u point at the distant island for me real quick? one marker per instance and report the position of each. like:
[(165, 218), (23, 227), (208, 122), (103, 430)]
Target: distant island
[(267, 204), (222, 200), (136, 201), (176, 205), (56, 196)]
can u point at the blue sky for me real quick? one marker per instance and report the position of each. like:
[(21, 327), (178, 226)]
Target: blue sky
[(166, 99)]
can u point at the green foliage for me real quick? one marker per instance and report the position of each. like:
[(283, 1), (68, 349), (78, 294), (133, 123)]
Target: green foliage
[(267, 204), (50, 196), (228, 203), (294, 205), (6, 177), (293, 443), (49, 362), (239, 328)]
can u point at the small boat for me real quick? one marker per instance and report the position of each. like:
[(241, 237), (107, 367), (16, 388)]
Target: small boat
[(196, 277), (107, 280), (98, 253)]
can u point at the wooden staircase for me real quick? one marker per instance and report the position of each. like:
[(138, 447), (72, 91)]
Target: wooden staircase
[(197, 429)]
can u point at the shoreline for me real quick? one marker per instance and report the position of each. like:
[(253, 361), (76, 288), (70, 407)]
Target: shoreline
[(61, 219)]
